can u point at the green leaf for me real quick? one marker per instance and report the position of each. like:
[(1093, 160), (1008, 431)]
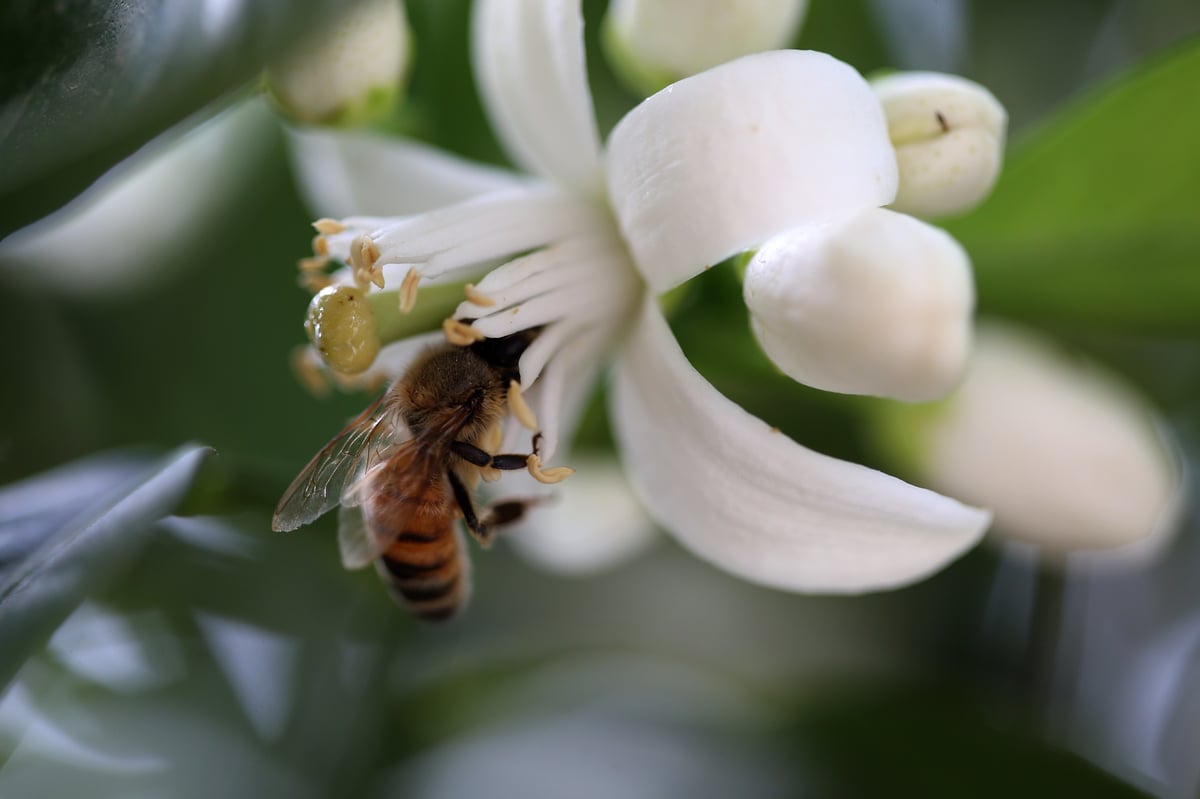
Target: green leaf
[(1095, 217), (62, 561), (84, 83)]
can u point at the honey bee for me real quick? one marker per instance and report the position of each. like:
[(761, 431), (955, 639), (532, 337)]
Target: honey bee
[(403, 471)]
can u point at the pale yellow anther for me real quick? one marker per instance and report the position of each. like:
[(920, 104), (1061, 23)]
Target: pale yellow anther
[(477, 297), (328, 226), (313, 263), (555, 474), (520, 408), (309, 373), (320, 245), (370, 251), (376, 275), (408, 290), (461, 334), (314, 281)]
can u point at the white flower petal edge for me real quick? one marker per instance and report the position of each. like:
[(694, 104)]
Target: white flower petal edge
[(720, 162), (350, 173), (757, 504), (529, 65), (592, 522)]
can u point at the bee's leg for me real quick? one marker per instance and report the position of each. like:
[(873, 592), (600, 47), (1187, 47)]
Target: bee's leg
[(480, 530), (508, 511), (473, 454)]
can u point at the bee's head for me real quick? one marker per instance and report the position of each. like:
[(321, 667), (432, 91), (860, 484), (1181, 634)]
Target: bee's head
[(450, 387)]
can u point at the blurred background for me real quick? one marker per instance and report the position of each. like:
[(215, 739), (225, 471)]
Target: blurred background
[(157, 639)]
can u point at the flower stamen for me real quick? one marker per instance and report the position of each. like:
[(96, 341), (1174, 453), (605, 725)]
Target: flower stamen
[(320, 245), (310, 374), (314, 282), (408, 289), (520, 408), (461, 334), (328, 226), (477, 297), (555, 474), (313, 263)]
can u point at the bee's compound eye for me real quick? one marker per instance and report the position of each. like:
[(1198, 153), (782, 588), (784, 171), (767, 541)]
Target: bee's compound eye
[(342, 327)]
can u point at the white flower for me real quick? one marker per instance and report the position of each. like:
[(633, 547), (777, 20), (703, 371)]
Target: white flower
[(713, 165), (1067, 456), (349, 72), (949, 136), (652, 43)]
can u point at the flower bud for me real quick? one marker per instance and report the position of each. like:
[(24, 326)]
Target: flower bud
[(949, 138), (341, 326), (873, 303), (1067, 456), (350, 73), (653, 43)]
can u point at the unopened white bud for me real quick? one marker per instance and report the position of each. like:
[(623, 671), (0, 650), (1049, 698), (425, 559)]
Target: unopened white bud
[(653, 43), (350, 72), (874, 303), (1067, 456), (949, 138)]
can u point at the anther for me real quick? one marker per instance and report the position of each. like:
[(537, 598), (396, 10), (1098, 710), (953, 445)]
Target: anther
[(408, 290), (313, 263), (328, 226), (460, 334), (309, 373), (520, 408), (555, 474), (477, 297), (320, 245)]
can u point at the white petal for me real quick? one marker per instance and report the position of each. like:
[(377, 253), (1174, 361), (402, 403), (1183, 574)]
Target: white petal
[(757, 504), (1068, 456), (654, 42), (875, 303), (720, 162), (347, 173), (949, 136), (592, 523), (529, 64)]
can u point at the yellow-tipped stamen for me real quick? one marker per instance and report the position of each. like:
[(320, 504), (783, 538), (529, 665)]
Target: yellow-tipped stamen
[(314, 281), (369, 382), (328, 226), (320, 245), (461, 334), (313, 263), (477, 297), (376, 275), (555, 474), (408, 290), (309, 373), (520, 408), (370, 251), (490, 443)]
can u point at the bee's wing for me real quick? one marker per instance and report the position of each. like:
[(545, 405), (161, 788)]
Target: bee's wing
[(410, 469), (363, 443)]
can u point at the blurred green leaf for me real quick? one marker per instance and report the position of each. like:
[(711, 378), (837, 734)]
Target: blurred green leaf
[(73, 559), (1094, 218), (84, 83)]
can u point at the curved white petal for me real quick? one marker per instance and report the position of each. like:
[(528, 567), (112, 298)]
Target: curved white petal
[(757, 504), (1069, 456), (591, 522), (875, 303), (721, 161), (347, 173), (529, 65)]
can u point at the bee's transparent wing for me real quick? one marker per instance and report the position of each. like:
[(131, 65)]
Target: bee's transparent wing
[(354, 541), (409, 470), (361, 445)]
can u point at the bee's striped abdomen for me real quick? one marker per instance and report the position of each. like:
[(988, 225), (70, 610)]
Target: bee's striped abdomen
[(425, 567)]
